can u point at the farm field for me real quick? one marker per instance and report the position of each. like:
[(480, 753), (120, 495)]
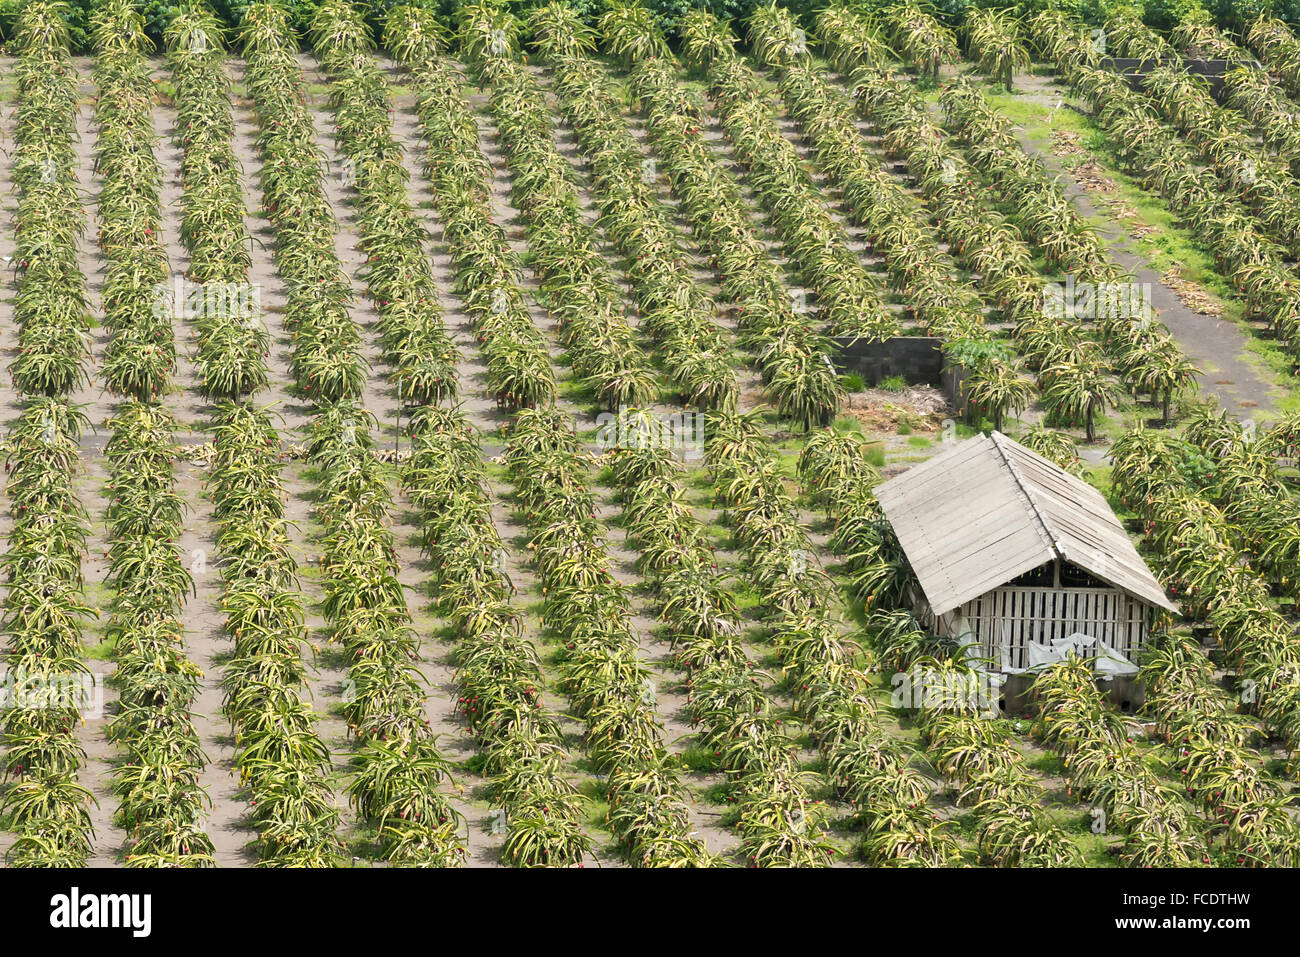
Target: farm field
[(438, 445)]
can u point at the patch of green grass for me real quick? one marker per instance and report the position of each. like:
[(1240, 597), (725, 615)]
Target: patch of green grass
[(1095, 847), (597, 813), (1099, 477), (1271, 361), (965, 826), (1046, 764), (106, 650), (852, 382), (699, 759)]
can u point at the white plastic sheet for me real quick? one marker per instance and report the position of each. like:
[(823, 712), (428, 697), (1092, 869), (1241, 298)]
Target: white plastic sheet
[(1107, 662)]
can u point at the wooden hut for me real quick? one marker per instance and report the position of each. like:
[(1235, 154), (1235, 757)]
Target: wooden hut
[(1010, 550)]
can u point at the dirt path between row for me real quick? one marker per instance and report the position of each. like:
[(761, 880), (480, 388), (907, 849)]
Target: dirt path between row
[(97, 406)]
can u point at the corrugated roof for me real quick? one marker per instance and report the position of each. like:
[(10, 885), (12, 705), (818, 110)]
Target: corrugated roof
[(976, 516)]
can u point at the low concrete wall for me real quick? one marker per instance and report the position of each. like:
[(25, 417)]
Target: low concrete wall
[(1135, 71), (1125, 693), (952, 384), (918, 359)]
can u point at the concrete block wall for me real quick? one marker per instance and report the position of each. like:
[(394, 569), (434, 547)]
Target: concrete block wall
[(918, 359)]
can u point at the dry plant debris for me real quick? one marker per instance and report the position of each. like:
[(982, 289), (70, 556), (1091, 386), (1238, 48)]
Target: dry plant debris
[(1191, 294)]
